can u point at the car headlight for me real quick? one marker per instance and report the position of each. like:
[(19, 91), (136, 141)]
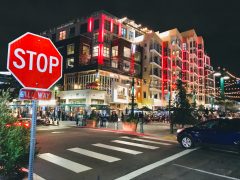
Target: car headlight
[(180, 130)]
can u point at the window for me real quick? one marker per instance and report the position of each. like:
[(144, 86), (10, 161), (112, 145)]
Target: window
[(70, 49), (106, 51), (130, 35), (115, 29), (124, 32), (62, 35), (107, 25), (145, 69), (72, 31), (95, 51), (137, 56), (155, 96), (209, 125), (114, 64), (115, 51), (85, 56), (70, 63), (126, 52), (144, 95), (83, 28), (96, 24), (126, 66)]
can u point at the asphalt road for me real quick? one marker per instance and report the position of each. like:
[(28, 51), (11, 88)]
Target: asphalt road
[(87, 154)]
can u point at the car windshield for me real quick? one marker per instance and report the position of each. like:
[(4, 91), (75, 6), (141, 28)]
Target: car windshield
[(210, 124)]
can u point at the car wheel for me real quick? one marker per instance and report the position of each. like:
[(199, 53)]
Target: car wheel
[(187, 142)]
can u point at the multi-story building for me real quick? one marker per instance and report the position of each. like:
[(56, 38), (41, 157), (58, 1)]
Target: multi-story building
[(105, 55)]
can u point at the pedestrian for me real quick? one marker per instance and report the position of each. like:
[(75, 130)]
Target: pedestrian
[(76, 118)]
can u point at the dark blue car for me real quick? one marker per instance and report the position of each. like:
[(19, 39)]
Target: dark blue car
[(216, 132)]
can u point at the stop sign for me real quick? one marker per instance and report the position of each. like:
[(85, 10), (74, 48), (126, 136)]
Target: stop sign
[(34, 61)]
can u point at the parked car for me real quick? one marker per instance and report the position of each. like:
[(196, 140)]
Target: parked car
[(25, 122), (216, 132)]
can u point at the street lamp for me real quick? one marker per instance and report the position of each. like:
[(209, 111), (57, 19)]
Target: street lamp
[(132, 105)]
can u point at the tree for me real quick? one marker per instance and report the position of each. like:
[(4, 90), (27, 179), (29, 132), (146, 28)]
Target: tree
[(182, 113), (14, 142)]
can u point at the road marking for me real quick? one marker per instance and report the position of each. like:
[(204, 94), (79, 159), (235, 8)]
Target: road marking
[(159, 139), (125, 150), (154, 165), (135, 144), (206, 172), (143, 140), (35, 176), (94, 154), (73, 166), (57, 132)]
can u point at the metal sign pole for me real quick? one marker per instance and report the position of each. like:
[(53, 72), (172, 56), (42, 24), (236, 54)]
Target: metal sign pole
[(32, 140)]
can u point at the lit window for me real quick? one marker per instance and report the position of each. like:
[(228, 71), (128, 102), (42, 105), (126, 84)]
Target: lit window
[(62, 35), (126, 52), (124, 32), (131, 35), (126, 66), (70, 63), (114, 64), (70, 49), (106, 51), (86, 49), (137, 56), (115, 51), (95, 51), (85, 56)]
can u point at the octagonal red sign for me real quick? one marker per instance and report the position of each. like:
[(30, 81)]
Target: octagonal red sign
[(34, 61)]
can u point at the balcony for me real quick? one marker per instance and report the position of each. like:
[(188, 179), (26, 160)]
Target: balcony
[(155, 49), (156, 61), (155, 74), (155, 87)]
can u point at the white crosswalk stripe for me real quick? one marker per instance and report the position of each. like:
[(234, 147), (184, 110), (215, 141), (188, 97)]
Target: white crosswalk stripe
[(135, 144), (143, 140), (73, 166), (125, 150), (94, 154), (159, 139)]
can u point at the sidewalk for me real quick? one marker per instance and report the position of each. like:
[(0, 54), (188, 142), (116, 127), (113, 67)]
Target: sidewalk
[(154, 129)]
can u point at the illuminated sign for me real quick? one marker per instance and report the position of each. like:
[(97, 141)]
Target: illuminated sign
[(120, 93)]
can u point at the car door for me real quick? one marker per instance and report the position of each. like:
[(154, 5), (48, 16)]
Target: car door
[(205, 132), (228, 133)]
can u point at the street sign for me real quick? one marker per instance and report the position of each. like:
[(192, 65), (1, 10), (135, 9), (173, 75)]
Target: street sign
[(31, 94), (34, 61)]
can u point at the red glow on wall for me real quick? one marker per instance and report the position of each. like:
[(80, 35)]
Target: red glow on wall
[(101, 29), (90, 24), (111, 25), (100, 54), (101, 39), (119, 29)]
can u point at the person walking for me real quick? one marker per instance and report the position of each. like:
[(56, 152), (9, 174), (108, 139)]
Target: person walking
[(76, 118)]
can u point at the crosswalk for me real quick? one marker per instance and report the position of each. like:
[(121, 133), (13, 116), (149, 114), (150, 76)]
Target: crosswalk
[(123, 144)]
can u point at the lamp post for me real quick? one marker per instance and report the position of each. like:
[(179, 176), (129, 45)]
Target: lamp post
[(57, 103), (132, 104), (223, 76), (169, 109)]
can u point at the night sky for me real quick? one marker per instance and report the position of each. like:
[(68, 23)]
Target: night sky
[(217, 21)]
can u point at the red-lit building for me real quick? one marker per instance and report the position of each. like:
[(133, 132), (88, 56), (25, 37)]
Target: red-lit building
[(102, 53)]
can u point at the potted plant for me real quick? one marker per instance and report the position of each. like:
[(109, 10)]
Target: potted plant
[(129, 123), (92, 121), (14, 142)]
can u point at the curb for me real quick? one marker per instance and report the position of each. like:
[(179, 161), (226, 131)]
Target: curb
[(167, 138)]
